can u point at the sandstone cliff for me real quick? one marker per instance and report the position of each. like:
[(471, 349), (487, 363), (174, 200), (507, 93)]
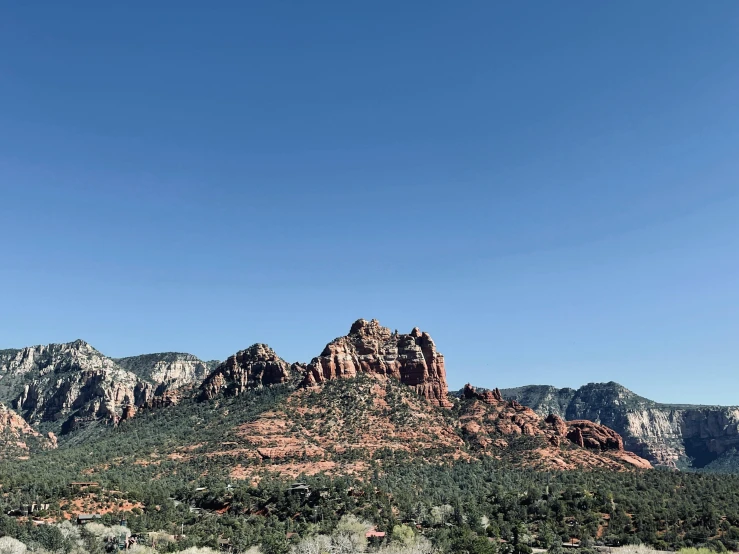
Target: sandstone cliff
[(18, 438), (253, 368), (370, 348), (669, 435)]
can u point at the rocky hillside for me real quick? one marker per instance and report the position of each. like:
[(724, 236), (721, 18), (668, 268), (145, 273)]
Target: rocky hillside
[(18, 439), (354, 426), (376, 392), (70, 385), (666, 434), (168, 370), (368, 392), (490, 422), (249, 369)]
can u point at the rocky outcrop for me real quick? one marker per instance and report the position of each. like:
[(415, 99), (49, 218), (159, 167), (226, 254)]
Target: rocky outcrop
[(73, 385), (253, 368), (487, 396), (665, 434), (558, 425), (18, 438), (168, 370), (482, 424), (591, 435), (370, 348), (70, 383), (129, 411)]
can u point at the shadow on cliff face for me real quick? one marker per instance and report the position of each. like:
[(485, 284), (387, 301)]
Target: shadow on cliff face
[(699, 454)]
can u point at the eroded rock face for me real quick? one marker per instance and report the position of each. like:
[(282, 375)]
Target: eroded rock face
[(12, 423), (71, 381), (410, 358), (492, 416), (557, 424), (253, 368), (168, 370), (75, 385), (594, 436), (668, 435), (488, 396), (129, 411), (169, 398), (17, 437)]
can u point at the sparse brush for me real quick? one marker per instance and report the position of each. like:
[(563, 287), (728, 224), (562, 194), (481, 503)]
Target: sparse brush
[(12, 546), (141, 549), (636, 549), (698, 550)]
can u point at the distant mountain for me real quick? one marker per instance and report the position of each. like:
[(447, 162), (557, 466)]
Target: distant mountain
[(169, 442), (66, 386), (674, 435), (168, 369), (372, 389)]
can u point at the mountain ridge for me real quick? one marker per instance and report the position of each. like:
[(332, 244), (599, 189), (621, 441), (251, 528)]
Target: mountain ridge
[(673, 435), (76, 386), (67, 386), (173, 369)]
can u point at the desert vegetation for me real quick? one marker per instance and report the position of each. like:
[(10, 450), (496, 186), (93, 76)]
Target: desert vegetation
[(180, 478)]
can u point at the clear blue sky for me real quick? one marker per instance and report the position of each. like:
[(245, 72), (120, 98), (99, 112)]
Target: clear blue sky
[(551, 189)]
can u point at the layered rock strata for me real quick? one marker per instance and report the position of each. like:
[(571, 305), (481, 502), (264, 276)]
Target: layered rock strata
[(370, 348), (501, 417), (253, 368), (168, 370), (671, 435)]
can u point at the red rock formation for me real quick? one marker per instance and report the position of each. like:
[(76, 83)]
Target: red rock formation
[(594, 436), (489, 396), (558, 425), (493, 416), (255, 367), (370, 348), (17, 437), (575, 436), (586, 434), (166, 399), (129, 411), (12, 423)]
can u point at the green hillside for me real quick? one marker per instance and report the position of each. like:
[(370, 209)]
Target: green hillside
[(163, 471)]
